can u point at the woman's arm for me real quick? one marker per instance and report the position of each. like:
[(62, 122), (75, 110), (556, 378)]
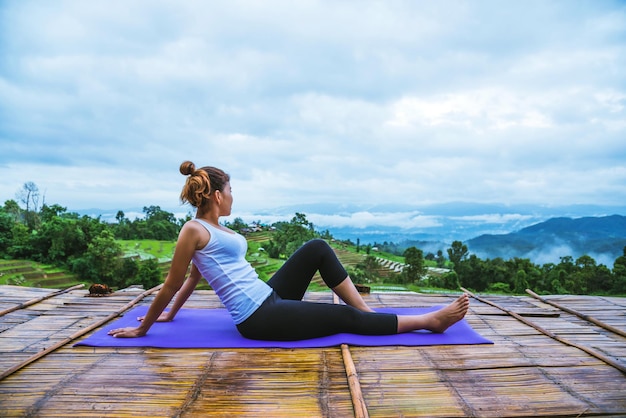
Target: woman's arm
[(189, 239), (181, 297)]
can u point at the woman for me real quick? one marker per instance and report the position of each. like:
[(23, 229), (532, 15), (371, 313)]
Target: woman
[(272, 310)]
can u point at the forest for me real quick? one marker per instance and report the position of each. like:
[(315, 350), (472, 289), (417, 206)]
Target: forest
[(91, 249)]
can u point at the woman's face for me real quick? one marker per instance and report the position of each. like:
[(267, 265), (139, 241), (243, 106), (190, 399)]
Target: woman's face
[(226, 202)]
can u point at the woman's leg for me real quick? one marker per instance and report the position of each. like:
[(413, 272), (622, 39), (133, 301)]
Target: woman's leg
[(280, 319), (287, 320), (348, 293), (293, 278)]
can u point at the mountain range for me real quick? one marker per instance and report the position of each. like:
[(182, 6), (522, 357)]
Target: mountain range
[(602, 238)]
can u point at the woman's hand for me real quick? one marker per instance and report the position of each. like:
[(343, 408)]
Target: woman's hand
[(130, 332), (164, 317)]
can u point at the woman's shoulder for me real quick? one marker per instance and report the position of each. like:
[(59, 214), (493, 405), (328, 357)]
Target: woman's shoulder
[(195, 232), (193, 224)]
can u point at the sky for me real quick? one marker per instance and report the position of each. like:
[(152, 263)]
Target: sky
[(338, 102)]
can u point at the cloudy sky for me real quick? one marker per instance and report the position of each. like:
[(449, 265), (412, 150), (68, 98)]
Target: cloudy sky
[(336, 102)]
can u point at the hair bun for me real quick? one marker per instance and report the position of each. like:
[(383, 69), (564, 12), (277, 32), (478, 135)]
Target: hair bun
[(187, 168)]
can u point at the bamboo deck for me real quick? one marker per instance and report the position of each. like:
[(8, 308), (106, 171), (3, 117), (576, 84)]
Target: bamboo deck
[(525, 373)]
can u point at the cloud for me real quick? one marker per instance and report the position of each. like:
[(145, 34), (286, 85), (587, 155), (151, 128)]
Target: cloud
[(337, 102)]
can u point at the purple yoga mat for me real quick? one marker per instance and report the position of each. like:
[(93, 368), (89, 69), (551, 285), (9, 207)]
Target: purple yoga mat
[(214, 328)]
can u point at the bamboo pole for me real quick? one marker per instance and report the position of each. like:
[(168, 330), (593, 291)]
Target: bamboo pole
[(550, 334), (360, 408), (358, 403), (578, 314), (39, 299), (78, 334)]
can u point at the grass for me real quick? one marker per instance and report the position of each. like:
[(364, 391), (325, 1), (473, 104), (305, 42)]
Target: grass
[(161, 250)]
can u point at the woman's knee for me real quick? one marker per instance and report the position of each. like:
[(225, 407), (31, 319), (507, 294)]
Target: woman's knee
[(318, 242), (318, 245)]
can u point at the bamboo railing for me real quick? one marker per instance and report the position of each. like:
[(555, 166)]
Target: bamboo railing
[(578, 314), (78, 334), (550, 334), (39, 299)]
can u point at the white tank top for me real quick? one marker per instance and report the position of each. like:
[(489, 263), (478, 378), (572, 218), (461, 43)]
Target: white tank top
[(223, 264)]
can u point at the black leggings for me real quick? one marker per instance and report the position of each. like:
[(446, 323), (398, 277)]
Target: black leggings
[(284, 316)]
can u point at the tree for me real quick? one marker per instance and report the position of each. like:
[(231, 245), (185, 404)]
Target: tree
[(6, 225), (457, 253), (123, 228), (365, 271), (520, 284), (237, 225), (450, 280), (149, 274), (58, 239), (290, 236), (160, 224), (101, 261), (440, 259), (619, 273), (414, 259), (21, 242), (13, 209), (29, 193), (48, 213), (128, 270), (584, 274), (475, 273)]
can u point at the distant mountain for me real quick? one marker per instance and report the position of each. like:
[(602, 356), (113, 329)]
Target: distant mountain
[(602, 238)]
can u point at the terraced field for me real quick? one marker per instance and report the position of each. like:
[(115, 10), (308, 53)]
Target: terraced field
[(32, 274)]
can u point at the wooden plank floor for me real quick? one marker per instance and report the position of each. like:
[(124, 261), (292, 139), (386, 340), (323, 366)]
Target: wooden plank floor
[(525, 373)]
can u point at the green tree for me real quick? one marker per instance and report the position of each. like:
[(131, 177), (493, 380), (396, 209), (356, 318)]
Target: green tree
[(12, 208), (58, 239), (21, 242), (440, 259), (128, 270), (473, 273), (123, 228), (149, 274), (585, 271), (48, 213), (6, 225), (520, 283), (456, 254), (450, 280), (414, 259), (602, 282), (101, 261), (160, 224), (619, 274), (237, 225), (290, 236), (365, 271)]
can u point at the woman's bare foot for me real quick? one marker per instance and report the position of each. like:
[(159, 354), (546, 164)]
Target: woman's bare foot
[(437, 321), (444, 318)]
